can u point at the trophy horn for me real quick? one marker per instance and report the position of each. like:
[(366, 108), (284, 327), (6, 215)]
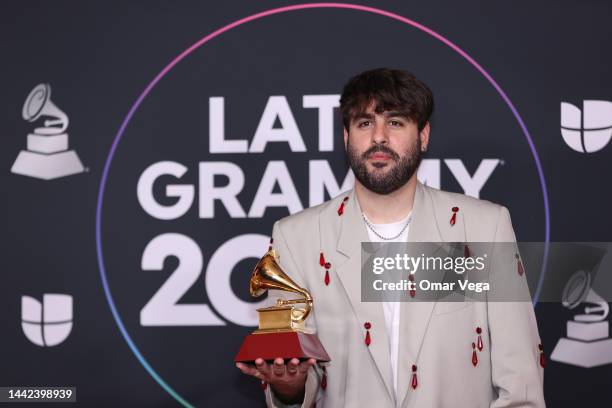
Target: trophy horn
[(282, 330), (267, 274)]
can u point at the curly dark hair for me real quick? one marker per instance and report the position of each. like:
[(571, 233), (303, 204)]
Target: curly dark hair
[(390, 90)]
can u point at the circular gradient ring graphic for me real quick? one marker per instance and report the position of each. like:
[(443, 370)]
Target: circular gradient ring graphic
[(231, 26)]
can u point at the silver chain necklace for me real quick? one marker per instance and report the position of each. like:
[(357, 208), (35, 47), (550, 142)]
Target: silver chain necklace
[(386, 238)]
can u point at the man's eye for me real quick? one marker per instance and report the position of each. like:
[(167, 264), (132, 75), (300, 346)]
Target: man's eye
[(363, 123), (395, 123)]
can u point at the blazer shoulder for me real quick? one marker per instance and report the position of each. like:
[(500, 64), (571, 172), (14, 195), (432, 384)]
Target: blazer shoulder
[(477, 211), (308, 219), (468, 203)]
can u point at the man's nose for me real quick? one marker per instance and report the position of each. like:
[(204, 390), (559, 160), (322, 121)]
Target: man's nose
[(380, 133)]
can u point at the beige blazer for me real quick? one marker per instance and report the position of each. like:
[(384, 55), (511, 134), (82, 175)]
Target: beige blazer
[(435, 336)]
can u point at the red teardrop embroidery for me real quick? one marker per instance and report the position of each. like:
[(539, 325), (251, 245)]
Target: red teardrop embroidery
[(326, 277), (519, 264), (324, 381), (474, 356), (341, 208), (454, 216), (479, 332), (321, 259), (367, 326), (542, 358), (414, 382)]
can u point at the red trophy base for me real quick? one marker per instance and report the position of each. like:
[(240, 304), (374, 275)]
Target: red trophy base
[(290, 344)]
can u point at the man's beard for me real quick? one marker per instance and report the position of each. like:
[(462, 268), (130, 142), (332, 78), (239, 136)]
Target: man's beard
[(393, 179)]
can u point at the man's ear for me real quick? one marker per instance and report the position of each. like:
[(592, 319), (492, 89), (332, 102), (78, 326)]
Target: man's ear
[(345, 138), (424, 135)]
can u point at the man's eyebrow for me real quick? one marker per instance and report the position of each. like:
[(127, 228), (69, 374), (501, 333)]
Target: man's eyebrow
[(363, 115)]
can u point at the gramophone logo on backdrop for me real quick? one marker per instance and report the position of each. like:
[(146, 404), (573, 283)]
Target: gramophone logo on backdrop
[(587, 343), (589, 130), (47, 156), (47, 324)]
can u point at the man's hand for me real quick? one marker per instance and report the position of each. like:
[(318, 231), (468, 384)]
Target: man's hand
[(287, 380)]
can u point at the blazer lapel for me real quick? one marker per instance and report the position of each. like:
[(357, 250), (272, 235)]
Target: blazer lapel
[(427, 226), (352, 233)]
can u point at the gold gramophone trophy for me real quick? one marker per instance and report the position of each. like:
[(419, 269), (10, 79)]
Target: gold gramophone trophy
[(281, 330)]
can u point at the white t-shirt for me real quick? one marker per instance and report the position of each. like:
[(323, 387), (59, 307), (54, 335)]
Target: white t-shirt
[(391, 309)]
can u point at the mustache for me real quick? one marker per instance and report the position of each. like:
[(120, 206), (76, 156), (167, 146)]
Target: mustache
[(381, 149)]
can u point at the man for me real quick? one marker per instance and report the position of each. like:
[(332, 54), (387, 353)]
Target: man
[(397, 354)]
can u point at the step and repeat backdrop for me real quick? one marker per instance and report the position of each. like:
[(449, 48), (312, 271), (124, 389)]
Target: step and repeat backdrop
[(148, 147)]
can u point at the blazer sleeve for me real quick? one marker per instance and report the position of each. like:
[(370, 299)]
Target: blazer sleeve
[(514, 338), (288, 265)]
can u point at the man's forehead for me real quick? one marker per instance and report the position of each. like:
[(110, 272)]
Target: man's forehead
[(374, 107)]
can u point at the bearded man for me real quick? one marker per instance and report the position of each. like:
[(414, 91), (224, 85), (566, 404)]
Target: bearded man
[(397, 354)]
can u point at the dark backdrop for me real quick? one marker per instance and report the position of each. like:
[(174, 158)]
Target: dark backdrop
[(99, 57)]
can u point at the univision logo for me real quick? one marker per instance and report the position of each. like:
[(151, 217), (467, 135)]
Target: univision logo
[(589, 130), (47, 324)]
